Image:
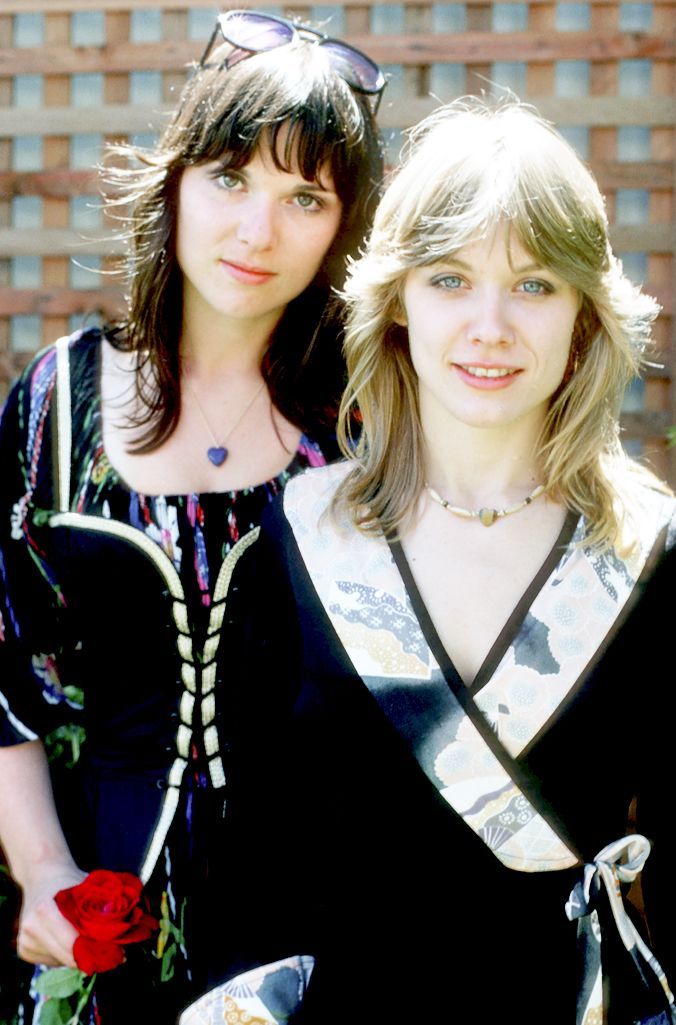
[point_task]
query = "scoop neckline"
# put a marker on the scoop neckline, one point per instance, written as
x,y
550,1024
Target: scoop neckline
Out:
x,y
97,406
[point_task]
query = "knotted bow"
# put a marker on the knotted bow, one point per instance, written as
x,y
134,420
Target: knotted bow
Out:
x,y
619,862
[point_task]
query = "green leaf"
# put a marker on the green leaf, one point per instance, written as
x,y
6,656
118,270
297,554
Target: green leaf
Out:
x,y
59,982
73,693
174,931
41,517
56,1012
57,743
167,967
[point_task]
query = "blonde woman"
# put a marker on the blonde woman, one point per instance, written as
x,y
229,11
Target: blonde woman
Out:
x,y
464,759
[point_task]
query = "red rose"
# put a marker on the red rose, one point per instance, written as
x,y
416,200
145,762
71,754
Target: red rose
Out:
x,y
107,912
96,955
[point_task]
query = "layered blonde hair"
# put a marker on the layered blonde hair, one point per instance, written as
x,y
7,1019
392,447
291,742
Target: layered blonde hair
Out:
x,y
466,168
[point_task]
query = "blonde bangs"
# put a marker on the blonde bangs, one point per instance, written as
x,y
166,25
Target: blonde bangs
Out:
x,y
467,168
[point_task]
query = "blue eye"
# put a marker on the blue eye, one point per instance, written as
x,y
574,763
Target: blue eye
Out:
x,y
535,287
449,282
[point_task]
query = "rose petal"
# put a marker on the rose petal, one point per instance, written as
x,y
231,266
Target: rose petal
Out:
x,y
107,907
94,956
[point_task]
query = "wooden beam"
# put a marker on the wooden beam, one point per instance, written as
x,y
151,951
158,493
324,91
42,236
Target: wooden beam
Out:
x,y
64,301
54,182
655,371
60,302
55,242
43,6
645,424
113,118
640,238
610,174
119,119
588,111
66,242
410,49
616,174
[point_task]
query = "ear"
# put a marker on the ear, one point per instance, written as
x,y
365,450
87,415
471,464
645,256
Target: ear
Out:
x,y
399,315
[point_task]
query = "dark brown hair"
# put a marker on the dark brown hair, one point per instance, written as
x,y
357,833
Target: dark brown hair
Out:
x,y
226,115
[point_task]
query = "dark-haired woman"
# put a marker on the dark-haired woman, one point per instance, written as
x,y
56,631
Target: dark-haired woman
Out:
x,y
138,461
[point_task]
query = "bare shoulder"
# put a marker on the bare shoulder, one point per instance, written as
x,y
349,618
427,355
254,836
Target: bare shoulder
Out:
x,y
118,374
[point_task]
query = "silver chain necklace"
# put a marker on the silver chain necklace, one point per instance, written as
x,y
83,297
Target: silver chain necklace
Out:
x,y
218,453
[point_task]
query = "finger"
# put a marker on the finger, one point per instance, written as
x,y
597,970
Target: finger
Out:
x,y
46,937
38,952
32,956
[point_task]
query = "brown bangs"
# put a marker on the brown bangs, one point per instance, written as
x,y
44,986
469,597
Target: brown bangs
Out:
x,y
309,120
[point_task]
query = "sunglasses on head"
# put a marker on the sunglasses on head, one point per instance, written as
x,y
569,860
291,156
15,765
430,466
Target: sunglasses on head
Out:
x,y
250,32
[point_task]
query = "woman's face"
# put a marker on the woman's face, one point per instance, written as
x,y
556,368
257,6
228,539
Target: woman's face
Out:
x,y
490,332
251,240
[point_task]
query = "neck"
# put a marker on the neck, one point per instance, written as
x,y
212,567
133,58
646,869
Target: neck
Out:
x,y
482,466
212,345
207,369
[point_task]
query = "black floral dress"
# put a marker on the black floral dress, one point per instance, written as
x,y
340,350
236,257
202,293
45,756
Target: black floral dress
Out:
x,y
123,647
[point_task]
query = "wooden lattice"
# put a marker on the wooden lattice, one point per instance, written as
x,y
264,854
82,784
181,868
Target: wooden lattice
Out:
x,y
75,74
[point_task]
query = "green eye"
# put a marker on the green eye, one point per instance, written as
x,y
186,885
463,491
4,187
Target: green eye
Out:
x,y
307,201
227,179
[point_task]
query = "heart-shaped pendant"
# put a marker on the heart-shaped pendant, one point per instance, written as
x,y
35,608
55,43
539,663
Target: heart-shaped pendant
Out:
x,y
217,454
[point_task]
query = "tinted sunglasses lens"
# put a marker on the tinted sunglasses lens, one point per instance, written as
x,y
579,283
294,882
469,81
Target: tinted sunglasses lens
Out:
x,y
254,32
355,67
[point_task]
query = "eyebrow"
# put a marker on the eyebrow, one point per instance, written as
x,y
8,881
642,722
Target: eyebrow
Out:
x,y
306,186
303,184
527,268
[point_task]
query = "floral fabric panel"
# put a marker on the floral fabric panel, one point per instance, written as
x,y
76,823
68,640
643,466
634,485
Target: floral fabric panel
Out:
x,y
464,746
268,995
563,630
40,390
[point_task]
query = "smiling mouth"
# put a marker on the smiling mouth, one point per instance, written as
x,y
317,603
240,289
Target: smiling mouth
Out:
x,y
488,371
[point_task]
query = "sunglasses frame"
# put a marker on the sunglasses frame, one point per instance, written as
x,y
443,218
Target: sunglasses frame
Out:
x,y
298,31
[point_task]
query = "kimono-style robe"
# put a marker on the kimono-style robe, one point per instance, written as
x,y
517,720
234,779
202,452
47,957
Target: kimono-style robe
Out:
x,y
428,840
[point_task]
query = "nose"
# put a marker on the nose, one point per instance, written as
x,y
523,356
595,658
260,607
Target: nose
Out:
x,y
490,323
257,223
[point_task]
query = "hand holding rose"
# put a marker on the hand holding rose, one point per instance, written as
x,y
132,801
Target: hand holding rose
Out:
x,y
45,936
106,911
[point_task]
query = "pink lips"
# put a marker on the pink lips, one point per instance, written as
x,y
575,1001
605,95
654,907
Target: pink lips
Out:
x,y
486,376
247,275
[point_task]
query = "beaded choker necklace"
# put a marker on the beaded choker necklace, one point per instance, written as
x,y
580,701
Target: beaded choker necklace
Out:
x,y
486,516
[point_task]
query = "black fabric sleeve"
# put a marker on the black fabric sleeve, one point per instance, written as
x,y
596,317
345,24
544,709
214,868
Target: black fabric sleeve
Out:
x,y
632,736
32,698
647,644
